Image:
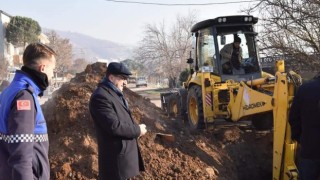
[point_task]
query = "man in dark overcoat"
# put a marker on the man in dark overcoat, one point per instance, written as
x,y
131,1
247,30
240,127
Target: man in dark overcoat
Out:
x,y
117,132
304,119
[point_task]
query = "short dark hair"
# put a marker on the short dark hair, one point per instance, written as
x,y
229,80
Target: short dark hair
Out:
x,y
34,51
237,39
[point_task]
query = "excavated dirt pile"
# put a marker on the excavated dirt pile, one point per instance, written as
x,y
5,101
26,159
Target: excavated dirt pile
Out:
x,y
225,153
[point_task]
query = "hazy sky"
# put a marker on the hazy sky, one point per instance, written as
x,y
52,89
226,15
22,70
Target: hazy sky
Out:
x,y
118,22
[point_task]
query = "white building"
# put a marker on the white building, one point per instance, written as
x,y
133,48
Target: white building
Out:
x,y
6,49
43,38
107,61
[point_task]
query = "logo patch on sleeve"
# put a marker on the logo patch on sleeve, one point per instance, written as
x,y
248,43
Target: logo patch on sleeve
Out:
x,y
23,105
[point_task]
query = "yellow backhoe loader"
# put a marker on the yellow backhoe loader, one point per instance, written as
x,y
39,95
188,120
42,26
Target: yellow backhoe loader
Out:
x,y
238,91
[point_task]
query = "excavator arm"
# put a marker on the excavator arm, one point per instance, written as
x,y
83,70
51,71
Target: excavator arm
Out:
x,y
284,148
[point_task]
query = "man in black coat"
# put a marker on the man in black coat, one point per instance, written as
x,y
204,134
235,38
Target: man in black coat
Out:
x,y
304,119
117,132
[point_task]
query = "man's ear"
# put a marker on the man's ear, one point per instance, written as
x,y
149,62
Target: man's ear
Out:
x,y
111,78
41,67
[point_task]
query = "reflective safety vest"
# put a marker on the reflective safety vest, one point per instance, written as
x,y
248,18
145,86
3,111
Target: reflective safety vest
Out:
x,y
21,82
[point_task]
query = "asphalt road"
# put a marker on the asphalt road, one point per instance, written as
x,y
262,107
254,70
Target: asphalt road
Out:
x,y
151,91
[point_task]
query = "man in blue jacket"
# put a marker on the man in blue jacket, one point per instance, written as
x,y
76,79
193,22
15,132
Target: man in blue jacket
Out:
x,y
23,131
117,132
304,119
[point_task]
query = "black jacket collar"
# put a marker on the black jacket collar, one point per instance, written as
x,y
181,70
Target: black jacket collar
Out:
x,y
39,78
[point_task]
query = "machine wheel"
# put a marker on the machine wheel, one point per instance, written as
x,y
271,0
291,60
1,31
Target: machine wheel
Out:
x,y
184,95
174,107
263,121
195,108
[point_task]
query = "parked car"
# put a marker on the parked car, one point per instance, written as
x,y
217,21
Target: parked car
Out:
x,y
141,81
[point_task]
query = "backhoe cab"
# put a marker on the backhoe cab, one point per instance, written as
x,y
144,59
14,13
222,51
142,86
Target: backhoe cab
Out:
x,y
210,37
240,91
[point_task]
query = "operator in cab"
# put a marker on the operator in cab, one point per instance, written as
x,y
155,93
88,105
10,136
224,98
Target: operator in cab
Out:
x,y
231,56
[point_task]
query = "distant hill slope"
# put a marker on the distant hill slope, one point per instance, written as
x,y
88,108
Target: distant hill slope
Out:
x,y
91,48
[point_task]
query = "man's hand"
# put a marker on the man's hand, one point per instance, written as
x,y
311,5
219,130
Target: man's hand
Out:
x,y
143,129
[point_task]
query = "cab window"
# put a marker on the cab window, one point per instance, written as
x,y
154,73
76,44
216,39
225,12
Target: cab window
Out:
x,y
206,49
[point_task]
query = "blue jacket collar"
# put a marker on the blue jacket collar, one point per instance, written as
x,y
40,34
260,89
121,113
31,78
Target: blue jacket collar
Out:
x,y
24,78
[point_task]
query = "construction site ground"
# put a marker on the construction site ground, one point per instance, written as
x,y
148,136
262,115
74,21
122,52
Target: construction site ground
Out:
x,y
223,151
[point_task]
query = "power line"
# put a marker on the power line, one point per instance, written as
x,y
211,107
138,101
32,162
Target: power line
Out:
x,y
182,4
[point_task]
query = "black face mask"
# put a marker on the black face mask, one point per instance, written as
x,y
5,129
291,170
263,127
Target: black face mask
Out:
x,y
41,79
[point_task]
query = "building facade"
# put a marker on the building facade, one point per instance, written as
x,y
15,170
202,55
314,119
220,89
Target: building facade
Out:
x,y
6,49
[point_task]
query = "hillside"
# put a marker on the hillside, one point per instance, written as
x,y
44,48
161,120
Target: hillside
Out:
x,y
91,47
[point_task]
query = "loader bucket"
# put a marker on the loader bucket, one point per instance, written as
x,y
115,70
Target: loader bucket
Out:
x,y
165,137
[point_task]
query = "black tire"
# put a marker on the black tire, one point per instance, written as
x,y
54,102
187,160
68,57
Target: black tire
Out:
x,y
263,121
183,97
195,108
174,105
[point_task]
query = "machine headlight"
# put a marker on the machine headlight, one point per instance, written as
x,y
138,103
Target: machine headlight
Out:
x,y
224,19
220,20
246,19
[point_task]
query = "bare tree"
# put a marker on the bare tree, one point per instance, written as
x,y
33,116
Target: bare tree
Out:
x,y
3,67
290,27
79,65
164,51
63,48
